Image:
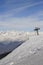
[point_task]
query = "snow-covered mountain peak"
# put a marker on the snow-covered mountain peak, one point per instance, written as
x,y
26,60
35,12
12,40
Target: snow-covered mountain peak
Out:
x,y
11,39
28,53
12,35
33,46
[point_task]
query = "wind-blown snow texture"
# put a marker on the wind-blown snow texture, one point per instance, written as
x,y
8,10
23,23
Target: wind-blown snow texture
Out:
x,y
29,53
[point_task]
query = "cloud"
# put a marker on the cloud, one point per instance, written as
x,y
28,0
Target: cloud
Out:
x,y
16,10
21,23
7,20
12,8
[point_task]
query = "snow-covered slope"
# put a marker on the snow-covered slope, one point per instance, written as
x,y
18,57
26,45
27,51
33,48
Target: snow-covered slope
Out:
x,y
11,39
29,53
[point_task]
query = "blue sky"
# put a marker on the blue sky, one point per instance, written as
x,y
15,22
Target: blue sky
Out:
x,y
21,15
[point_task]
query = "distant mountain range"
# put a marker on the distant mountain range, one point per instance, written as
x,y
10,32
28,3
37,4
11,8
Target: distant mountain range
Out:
x,y
11,39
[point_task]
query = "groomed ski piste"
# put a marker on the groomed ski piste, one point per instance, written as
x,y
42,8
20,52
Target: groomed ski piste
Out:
x,y
28,53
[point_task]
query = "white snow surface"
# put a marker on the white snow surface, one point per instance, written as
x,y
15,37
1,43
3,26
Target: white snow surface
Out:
x,y
29,53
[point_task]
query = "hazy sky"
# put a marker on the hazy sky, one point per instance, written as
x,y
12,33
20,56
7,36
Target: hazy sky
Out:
x,y
22,15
